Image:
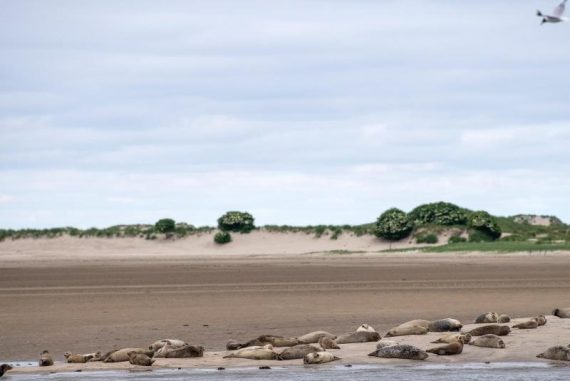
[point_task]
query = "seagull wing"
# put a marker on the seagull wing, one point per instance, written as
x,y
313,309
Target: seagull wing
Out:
x,y
559,10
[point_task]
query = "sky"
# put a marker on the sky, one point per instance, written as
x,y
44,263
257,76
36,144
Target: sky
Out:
x,y
299,112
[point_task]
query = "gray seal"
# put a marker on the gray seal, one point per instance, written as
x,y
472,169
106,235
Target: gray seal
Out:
x,y
445,325
493,329
558,352
297,352
400,351
4,368
563,313
488,341
489,317
140,359
447,350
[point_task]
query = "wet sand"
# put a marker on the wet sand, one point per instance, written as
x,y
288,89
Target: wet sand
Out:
x,y
67,305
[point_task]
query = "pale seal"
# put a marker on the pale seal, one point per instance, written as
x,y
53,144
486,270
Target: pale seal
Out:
x,y
449,349
493,329
529,324
161,343
327,343
297,352
314,337
77,359
488,341
489,317
556,353
464,337
254,353
358,337
122,355
45,359
400,351
412,327
319,358
365,328
140,359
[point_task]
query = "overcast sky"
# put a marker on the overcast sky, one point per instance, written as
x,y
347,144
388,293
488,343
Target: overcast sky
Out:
x,y
300,112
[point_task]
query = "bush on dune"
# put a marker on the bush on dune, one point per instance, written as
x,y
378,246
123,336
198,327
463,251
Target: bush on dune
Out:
x,y
239,222
438,213
393,225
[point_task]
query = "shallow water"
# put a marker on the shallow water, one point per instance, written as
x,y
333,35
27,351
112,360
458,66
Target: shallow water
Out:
x,y
435,372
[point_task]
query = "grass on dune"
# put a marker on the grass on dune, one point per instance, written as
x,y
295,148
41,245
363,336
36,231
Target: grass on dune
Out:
x,y
495,246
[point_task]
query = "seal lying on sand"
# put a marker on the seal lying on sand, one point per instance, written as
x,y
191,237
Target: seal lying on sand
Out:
x,y
488,341
365,328
445,325
161,343
385,343
358,337
541,320
297,352
401,351
529,324
123,354
556,353
464,337
187,351
489,317
4,368
314,337
275,341
412,327
140,359
493,329
504,318
449,349
563,313
327,343
319,358
254,353
77,359
45,359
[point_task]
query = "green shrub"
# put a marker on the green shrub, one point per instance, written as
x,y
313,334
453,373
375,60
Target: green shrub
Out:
x,y
427,238
485,223
393,225
337,232
240,222
456,239
320,230
222,237
480,236
165,225
438,213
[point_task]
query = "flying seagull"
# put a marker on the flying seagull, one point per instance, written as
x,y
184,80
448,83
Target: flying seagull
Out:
x,y
556,15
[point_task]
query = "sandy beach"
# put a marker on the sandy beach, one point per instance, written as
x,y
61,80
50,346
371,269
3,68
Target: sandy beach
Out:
x,y
99,294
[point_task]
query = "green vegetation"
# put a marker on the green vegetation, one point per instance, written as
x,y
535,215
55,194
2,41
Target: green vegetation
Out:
x,y
239,222
424,224
393,225
438,213
427,238
456,239
485,225
222,237
165,226
499,246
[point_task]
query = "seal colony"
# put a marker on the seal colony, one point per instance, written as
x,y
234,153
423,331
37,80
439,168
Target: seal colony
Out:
x,y
444,337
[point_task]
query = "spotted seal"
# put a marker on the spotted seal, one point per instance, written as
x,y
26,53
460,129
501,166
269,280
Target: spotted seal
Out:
x,y
400,351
